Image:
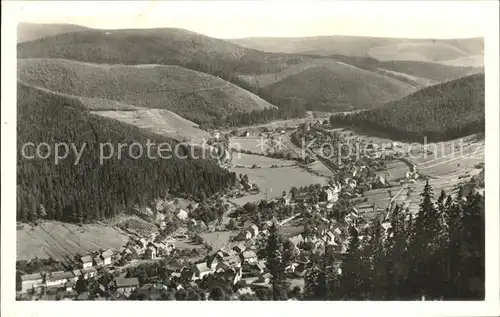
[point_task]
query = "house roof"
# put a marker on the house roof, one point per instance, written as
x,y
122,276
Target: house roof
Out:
x,y
31,277
86,259
90,269
249,254
240,246
202,267
60,275
107,254
126,282
77,273
254,227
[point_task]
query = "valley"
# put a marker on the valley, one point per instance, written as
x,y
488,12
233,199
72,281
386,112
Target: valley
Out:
x,y
312,143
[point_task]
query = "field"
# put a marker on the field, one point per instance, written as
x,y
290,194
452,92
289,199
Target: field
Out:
x,y
248,160
446,168
275,181
160,121
219,239
62,241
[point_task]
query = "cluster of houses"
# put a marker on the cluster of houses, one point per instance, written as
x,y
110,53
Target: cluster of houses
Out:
x,y
148,248
88,269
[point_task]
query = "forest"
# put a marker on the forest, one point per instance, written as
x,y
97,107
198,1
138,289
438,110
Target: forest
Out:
x,y
90,190
442,112
437,255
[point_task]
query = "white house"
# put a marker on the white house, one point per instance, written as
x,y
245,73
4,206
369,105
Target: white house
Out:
x,y
245,235
106,256
254,230
31,281
89,272
58,278
86,262
202,270
126,286
249,257
150,253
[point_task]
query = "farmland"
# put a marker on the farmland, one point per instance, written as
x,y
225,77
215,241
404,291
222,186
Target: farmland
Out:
x,y
61,241
248,160
275,180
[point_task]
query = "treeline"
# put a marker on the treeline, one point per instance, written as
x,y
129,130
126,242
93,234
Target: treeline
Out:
x,y
441,112
438,255
79,191
257,117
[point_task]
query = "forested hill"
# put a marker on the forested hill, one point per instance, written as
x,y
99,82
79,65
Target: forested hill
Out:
x,y
441,112
88,190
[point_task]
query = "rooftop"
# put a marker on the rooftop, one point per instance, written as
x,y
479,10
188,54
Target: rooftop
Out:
x,y
31,277
86,259
59,275
106,254
126,282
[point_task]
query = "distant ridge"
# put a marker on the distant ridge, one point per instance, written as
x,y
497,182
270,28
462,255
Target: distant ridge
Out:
x,y
33,31
381,48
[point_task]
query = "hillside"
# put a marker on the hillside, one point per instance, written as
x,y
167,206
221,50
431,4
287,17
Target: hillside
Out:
x,y
335,86
194,95
34,31
74,190
441,112
155,46
417,74
380,48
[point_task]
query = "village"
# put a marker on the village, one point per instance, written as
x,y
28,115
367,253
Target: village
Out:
x,y
180,256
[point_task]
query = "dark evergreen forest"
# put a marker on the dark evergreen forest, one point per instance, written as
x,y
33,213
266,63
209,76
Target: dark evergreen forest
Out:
x,y
89,190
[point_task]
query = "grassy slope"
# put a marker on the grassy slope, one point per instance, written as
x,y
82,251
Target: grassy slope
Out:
x,y
336,85
34,31
444,111
197,96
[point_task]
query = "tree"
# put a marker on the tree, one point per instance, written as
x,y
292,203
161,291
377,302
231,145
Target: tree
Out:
x,y
351,282
275,265
217,293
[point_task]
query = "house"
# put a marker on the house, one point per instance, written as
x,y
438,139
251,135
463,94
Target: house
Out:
x,y
69,286
232,275
150,253
329,237
58,278
245,235
182,214
248,257
284,200
201,270
254,230
213,262
76,276
239,248
245,291
326,194
31,281
296,240
125,286
106,257
89,272
86,262
98,261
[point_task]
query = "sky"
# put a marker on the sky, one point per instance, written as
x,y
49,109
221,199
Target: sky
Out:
x,y
237,19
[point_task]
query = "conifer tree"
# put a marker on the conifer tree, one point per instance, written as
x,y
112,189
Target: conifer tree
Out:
x,y
275,263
